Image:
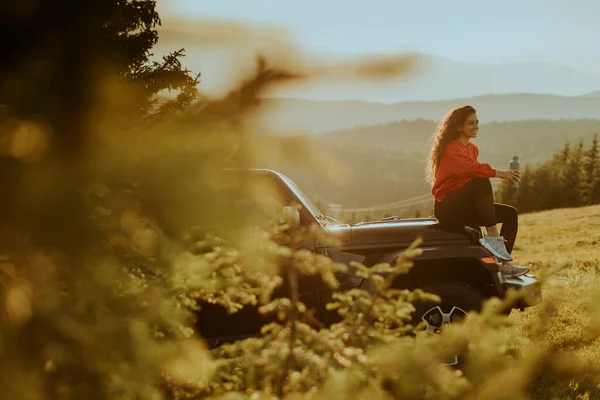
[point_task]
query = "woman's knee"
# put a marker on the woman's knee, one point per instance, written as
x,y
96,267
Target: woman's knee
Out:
x,y
483,195
506,213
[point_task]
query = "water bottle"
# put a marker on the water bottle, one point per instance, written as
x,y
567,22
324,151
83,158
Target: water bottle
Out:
x,y
516,166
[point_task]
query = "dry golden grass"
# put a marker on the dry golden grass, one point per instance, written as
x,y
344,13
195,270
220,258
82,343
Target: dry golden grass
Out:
x,y
563,247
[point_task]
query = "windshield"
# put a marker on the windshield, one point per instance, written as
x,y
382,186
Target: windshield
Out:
x,y
304,198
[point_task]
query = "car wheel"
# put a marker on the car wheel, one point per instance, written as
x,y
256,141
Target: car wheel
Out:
x,y
457,300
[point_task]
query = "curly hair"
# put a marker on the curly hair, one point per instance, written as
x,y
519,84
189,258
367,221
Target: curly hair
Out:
x,y
447,130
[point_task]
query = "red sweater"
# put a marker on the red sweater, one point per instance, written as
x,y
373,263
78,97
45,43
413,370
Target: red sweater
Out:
x,y
458,166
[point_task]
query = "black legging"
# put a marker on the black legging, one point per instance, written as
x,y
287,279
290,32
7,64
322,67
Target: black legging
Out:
x,y
473,205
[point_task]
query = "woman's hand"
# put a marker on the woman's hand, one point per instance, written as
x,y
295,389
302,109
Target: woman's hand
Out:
x,y
510,175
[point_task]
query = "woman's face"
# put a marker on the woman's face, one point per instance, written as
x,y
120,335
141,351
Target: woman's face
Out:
x,y
470,127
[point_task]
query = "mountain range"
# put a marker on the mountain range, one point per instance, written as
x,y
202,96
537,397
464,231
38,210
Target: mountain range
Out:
x,y
295,115
500,92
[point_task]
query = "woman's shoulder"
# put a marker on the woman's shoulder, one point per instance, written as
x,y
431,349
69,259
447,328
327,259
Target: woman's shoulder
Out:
x,y
455,145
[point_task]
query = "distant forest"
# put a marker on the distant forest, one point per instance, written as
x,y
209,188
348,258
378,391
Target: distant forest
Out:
x,y
571,178
385,163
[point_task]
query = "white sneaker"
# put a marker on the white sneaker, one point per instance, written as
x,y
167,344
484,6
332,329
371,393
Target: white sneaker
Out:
x,y
512,271
495,245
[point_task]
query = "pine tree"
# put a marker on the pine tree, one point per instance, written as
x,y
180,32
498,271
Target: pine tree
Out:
x,y
546,184
61,64
548,180
563,156
524,199
572,178
591,180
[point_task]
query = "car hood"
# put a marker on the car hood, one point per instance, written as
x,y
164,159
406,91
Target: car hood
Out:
x,y
394,232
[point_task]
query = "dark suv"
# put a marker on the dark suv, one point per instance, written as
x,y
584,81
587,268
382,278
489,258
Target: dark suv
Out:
x,y
454,266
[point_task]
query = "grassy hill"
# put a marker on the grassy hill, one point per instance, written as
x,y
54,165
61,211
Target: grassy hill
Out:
x,y
563,247
386,163
533,140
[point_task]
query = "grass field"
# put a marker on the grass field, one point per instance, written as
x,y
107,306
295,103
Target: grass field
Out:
x,y
563,247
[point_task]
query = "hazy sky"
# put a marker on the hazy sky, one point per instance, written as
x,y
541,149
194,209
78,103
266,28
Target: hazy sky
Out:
x,y
564,32
560,32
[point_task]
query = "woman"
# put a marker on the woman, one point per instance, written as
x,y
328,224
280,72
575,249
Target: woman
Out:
x,y
462,189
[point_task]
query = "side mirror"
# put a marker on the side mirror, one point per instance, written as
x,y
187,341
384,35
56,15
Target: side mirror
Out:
x,y
291,215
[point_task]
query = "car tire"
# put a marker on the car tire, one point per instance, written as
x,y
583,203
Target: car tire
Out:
x,y
457,300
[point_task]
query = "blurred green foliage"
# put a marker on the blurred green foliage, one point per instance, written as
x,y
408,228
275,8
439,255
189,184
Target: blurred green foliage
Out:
x,y
116,226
